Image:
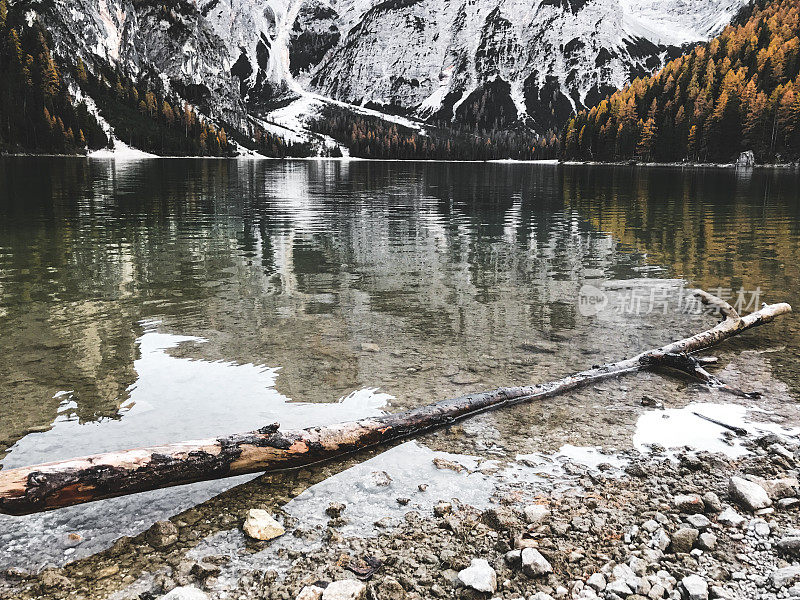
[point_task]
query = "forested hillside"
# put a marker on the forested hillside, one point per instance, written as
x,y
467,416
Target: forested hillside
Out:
x,y
373,137
145,118
741,91
36,112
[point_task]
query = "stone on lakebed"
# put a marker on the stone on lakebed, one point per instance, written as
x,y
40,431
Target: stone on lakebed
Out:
x,y
260,525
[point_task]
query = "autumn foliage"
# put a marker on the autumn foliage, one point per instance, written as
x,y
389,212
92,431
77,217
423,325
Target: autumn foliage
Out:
x,y
37,113
741,91
42,108
145,117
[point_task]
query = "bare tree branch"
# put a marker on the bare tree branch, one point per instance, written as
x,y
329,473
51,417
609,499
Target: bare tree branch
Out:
x,y
65,483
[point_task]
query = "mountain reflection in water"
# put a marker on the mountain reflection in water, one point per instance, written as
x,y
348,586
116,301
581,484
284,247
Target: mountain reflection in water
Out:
x,y
187,298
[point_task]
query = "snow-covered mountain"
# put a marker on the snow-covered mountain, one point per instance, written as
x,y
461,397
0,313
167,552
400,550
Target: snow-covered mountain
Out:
x,y
527,57
171,42
475,62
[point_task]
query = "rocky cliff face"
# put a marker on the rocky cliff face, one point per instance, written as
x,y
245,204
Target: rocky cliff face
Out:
x,y
169,42
498,60
486,63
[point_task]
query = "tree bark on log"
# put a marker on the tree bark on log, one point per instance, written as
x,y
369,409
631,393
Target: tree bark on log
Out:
x,y
54,485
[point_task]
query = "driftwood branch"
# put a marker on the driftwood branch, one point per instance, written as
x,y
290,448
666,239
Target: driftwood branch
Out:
x,y
693,367
735,428
65,483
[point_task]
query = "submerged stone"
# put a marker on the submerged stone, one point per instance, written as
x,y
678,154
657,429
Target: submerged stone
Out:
x,y
260,525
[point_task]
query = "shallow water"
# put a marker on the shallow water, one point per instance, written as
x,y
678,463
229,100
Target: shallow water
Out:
x,y
156,301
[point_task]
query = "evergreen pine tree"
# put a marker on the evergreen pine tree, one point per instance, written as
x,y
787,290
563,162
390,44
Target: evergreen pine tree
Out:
x,y
647,139
737,92
80,71
50,82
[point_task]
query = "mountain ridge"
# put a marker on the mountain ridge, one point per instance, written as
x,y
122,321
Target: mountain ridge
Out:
x,y
486,66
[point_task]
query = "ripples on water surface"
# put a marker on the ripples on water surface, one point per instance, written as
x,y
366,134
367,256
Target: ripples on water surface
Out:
x,y
156,301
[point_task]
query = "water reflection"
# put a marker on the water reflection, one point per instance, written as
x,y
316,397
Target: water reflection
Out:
x,y
312,281
173,398
176,398
297,264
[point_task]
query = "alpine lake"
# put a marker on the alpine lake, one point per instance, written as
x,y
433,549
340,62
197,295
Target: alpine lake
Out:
x,y
155,301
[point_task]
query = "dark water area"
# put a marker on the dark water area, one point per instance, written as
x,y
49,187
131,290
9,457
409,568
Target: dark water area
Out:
x,y
160,300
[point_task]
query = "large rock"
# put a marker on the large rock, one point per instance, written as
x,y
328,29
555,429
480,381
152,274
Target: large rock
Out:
x,y
162,534
534,564
786,487
689,503
748,494
657,591
712,502
597,582
53,580
790,546
499,518
204,570
746,160
698,521
730,517
345,589
442,508
186,593
782,451
694,587
514,558
390,589
479,576
684,539
638,566
260,525
786,576
536,514
620,588
661,540
623,572
310,592
707,541
720,593
760,527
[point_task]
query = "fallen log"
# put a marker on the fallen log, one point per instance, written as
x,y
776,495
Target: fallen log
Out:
x,y
58,484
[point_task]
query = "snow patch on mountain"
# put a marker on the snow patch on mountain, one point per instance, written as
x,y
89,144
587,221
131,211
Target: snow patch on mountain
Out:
x,y
430,57
117,149
487,63
678,22
121,151
255,34
292,121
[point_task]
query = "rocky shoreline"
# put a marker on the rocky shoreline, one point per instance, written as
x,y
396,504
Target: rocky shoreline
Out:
x,y
691,526
691,165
